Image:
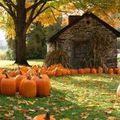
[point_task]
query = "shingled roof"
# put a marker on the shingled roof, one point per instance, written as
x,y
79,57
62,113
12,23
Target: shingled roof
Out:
x,y
87,14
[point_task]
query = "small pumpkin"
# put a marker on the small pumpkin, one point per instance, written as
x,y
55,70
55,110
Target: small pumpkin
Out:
x,y
23,69
74,72
93,71
117,70
118,90
100,70
87,70
110,71
8,86
44,117
81,71
28,88
11,73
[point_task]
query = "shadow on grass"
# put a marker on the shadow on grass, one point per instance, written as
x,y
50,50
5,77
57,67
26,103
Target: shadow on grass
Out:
x,y
59,105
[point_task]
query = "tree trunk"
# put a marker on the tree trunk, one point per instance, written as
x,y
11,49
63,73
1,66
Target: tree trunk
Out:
x,y
20,42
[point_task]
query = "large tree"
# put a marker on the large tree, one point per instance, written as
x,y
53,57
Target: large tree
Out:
x,y
23,14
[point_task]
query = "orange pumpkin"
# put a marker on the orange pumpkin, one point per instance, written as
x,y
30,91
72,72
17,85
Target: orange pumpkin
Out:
x,y
74,72
87,70
43,85
11,73
43,70
117,70
8,86
44,117
18,79
110,71
93,71
118,91
100,70
23,69
81,71
58,72
28,88
50,73
35,68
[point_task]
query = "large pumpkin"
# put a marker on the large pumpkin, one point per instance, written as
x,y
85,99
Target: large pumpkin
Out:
x,y
118,91
44,117
43,85
19,78
8,86
28,88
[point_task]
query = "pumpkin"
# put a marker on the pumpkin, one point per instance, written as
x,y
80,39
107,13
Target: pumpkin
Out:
x,y
44,117
23,69
43,85
8,86
87,70
18,79
43,70
81,71
118,91
100,70
117,70
35,68
74,72
58,72
28,88
110,71
11,73
93,71
50,73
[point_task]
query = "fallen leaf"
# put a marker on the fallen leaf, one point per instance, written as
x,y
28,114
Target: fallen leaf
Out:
x,y
111,118
84,115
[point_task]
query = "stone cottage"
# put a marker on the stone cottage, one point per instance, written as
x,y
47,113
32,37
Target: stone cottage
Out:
x,y
88,40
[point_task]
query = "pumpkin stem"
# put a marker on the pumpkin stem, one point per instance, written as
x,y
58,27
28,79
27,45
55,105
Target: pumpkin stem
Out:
x,y
47,116
6,75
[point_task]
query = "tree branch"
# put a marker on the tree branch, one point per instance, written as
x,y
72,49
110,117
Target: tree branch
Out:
x,y
35,5
13,5
9,11
31,18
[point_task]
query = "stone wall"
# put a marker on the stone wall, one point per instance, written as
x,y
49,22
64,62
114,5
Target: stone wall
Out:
x,y
84,40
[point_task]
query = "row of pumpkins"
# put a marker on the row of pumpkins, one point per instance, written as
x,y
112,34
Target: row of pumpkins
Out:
x,y
34,81
59,70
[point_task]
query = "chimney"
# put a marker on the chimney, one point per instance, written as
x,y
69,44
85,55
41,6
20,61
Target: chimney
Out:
x,y
73,18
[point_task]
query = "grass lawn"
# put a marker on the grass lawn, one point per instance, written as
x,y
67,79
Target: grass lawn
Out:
x,y
9,64
83,97
90,97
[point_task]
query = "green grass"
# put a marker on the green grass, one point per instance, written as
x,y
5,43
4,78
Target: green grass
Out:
x,y
72,98
83,97
9,64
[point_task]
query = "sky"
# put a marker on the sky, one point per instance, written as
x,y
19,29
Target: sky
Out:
x,y
3,42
